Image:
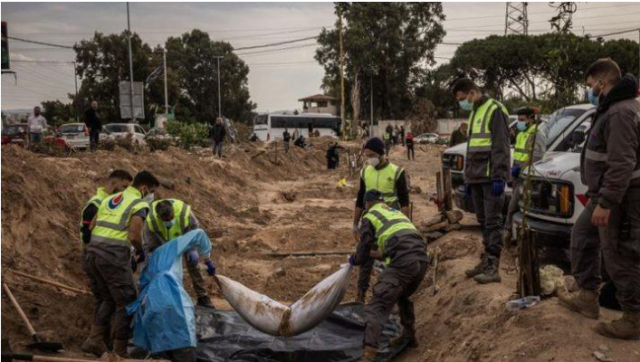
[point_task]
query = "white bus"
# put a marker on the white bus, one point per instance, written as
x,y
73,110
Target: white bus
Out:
x,y
269,127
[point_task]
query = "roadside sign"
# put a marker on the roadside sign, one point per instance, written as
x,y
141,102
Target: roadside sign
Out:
x,y
5,48
125,100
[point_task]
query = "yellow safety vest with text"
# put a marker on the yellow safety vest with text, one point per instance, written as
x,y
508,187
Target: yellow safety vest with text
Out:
x,y
383,180
480,126
181,212
521,153
95,200
386,136
387,222
114,217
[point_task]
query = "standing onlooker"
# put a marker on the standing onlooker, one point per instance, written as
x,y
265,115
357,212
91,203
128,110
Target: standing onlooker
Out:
x,y
93,123
609,226
396,134
459,135
286,137
402,139
217,134
37,124
411,153
296,134
387,137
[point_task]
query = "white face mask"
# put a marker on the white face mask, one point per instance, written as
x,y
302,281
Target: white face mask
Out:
x,y
149,198
373,161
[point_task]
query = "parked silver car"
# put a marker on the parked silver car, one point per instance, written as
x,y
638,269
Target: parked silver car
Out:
x,y
75,134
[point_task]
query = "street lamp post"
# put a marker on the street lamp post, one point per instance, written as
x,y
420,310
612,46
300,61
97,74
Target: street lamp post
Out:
x,y
219,94
166,92
133,118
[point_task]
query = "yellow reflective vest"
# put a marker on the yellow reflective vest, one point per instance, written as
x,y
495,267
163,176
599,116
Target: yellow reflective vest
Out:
x,y
181,212
383,180
95,200
524,142
387,222
480,126
114,217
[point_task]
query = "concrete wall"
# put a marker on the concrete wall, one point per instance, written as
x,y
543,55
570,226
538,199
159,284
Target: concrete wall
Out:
x,y
447,125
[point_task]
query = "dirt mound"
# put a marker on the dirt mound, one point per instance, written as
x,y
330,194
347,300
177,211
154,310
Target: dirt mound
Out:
x,y
469,322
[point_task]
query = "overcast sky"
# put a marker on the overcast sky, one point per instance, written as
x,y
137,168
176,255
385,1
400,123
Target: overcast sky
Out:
x,y
277,78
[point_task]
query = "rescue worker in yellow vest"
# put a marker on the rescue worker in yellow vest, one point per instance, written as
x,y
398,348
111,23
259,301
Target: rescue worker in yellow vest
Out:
x,y
486,171
390,180
115,231
117,182
386,137
403,250
167,220
529,138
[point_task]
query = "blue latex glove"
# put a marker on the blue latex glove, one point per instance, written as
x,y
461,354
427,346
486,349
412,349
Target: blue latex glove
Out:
x,y
352,260
497,187
211,268
467,192
192,257
515,172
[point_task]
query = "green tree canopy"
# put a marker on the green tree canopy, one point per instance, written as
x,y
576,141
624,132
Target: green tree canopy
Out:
x,y
387,44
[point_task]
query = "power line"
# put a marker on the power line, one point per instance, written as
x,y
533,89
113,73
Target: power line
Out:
x,y
280,49
277,44
616,33
41,43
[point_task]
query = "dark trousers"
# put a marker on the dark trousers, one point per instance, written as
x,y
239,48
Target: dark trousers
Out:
x,y
197,281
217,148
395,285
621,257
180,355
114,289
286,146
364,274
411,153
489,213
513,205
94,139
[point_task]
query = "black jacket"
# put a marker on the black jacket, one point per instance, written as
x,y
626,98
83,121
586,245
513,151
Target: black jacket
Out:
x,y
218,132
92,120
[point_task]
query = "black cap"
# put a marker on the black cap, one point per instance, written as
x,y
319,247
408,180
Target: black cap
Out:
x,y
525,112
373,196
376,145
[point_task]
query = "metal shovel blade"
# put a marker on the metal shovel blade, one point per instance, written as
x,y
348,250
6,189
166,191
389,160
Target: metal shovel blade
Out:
x,y
46,346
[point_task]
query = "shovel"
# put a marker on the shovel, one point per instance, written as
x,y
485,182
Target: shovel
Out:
x,y
38,343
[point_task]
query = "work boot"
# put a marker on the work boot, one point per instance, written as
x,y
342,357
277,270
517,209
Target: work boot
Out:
x,y
583,301
204,301
409,339
627,327
476,270
491,272
120,347
369,354
95,342
362,294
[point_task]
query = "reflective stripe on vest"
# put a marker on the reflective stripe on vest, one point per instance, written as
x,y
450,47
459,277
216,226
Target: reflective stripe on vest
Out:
x,y
383,180
387,222
156,225
480,123
635,174
595,156
114,216
520,153
95,200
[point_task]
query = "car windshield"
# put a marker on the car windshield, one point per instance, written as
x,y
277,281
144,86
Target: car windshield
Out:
x,y
559,121
12,130
117,128
72,128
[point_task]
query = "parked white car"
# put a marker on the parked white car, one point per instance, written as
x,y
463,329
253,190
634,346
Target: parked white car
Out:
x,y
115,130
75,134
427,138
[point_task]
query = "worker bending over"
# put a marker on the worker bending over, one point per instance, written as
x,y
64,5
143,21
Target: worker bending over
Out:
x,y
486,171
390,180
530,138
167,220
117,182
403,251
116,229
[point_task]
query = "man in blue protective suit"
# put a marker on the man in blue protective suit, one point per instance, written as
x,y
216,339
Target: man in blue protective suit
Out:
x,y
164,318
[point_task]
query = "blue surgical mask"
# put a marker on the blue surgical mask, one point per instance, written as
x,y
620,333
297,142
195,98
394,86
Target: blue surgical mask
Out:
x,y
466,105
522,126
593,99
168,224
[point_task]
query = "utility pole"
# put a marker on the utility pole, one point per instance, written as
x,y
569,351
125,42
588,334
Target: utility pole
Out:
x,y
75,99
133,118
166,92
342,106
218,57
516,20
371,101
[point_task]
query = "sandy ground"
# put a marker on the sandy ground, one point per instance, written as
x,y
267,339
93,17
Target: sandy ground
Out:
x,y
252,207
